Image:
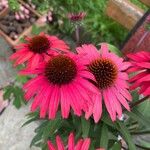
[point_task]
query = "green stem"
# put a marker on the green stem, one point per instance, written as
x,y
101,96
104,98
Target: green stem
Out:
x,y
77,35
139,102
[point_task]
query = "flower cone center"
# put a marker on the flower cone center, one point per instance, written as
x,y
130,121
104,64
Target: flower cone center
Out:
x,y
60,70
39,44
105,72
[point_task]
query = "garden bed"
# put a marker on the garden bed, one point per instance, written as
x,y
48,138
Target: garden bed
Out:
x,y
13,29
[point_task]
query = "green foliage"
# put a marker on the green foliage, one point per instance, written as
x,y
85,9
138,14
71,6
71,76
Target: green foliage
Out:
x,y
116,146
104,134
96,22
14,93
36,30
14,5
115,50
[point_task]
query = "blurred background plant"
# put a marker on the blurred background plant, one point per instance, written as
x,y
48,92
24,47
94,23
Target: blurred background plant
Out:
x,y
97,26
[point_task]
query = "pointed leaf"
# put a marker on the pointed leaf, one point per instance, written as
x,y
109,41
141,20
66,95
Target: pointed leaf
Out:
x,y
85,127
104,136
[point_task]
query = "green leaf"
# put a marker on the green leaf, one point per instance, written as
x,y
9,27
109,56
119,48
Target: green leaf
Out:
x,y
104,136
22,79
116,146
14,5
144,108
18,97
126,135
36,30
106,119
138,116
16,94
135,96
85,127
36,139
32,117
7,92
115,50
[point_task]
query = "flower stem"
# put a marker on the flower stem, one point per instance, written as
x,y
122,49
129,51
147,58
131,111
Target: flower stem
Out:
x,y
139,102
77,34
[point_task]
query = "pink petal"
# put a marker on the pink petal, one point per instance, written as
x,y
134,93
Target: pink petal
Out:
x,y
54,102
60,145
143,79
123,76
74,101
144,65
87,75
50,146
83,92
133,69
35,61
38,99
24,58
125,66
147,92
104,49
71,142
97,109
18,54
117,105
122,83
82,103
33,82
108,105
79,144
121,99
31,71
136,77
87,85
31,92
86,144
138,56
45,101
65,103
124,92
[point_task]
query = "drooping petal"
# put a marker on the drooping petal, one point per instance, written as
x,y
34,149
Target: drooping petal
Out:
x,y
65,102
60,145
54,102
86,144
71,144
108,105
97,110
50,146
79,145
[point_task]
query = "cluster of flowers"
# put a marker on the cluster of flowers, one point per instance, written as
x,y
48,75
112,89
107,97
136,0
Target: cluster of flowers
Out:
x,y
83,82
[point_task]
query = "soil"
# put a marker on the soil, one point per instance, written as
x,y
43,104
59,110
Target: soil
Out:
x,y
12,27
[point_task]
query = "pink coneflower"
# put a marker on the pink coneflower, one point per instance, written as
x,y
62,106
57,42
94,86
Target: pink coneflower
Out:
x,y
76,16
141,64
62,80
82,144
37,49
109,71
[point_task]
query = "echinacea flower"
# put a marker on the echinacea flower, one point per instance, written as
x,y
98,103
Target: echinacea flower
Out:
x,y
111,77
141,65
62,80
82,144
36,49
75,17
